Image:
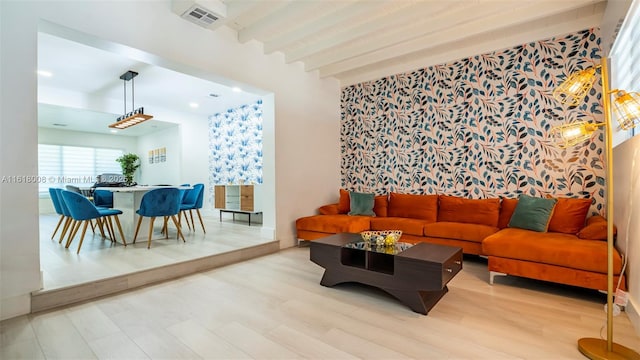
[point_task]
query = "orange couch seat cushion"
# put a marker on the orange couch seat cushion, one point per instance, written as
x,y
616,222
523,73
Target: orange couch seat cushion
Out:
x,y
460,231
408,226
471,211
334,223
550,248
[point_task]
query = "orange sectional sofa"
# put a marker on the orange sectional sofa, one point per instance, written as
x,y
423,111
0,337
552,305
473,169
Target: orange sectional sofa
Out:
x,y
572,251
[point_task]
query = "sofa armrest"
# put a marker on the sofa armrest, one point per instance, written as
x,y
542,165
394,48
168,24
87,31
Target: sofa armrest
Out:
x,y
331,209
596,229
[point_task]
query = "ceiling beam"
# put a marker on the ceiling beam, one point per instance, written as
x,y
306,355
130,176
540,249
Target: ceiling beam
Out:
x,y
392,20
487,24
326,16
279,22
541,29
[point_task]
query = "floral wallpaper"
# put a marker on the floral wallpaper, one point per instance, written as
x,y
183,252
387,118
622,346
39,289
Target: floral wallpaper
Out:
x,y
477,127
235,146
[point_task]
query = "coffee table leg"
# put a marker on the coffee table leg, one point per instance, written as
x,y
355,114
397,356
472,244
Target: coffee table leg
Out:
x,y
419,301
331,278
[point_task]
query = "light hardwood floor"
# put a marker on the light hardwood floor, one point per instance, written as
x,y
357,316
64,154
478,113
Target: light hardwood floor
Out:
x,y
273,307
99,258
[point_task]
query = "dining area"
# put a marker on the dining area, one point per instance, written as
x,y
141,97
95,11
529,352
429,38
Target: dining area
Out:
x,y
117,213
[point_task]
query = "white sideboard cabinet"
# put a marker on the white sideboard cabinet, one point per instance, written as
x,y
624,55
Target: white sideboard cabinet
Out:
x,y
238,199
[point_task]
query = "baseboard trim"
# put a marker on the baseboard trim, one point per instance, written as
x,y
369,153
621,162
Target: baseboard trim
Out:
x,y
49,299
633,313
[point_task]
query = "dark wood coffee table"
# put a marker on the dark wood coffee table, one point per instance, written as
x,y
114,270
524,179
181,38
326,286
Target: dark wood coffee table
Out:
x,y
416,275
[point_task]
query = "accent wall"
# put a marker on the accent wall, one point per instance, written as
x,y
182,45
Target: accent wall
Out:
x,y
477,127
235,146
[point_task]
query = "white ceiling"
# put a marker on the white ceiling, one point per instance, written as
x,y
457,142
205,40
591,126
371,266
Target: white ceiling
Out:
x,y
357,41
351,40
93,75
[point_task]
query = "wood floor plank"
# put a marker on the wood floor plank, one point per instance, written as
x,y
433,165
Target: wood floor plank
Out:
x,y
274,307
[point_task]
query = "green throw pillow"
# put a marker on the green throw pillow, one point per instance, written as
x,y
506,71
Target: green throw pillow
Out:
x,y
532,213
361,203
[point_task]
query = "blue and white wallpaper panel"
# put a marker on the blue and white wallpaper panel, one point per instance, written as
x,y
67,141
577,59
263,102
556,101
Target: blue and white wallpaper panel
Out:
x,y
235,145
478,127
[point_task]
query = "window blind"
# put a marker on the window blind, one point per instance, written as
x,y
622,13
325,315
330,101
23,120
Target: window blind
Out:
x,y
625,55
59,165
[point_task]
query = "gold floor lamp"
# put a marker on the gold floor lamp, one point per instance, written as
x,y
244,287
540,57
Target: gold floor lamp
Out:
x,y
627,108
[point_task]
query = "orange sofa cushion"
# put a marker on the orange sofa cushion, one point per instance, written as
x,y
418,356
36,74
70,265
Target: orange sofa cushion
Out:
x,y
334,223
412,206
596,229
331,209
460,231
344,203
472,211
569,215
380,205
408,226
507,207
550,248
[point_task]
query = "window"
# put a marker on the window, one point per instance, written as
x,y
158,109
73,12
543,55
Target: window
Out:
x,y
59,165
625,55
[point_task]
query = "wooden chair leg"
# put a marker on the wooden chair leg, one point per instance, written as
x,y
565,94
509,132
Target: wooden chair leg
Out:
x,y
112,232
68,221
57,226
201,223
175,221
165,229
101,226
84,230
150,231
124,241
193,226
135,235
75,225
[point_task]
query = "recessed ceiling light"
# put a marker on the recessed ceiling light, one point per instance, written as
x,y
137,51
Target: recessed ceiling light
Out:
x,y
45,73
236,89
113,131
194,105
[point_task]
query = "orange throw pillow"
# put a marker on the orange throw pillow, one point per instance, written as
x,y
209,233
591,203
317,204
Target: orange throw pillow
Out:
x,y
470,211
507,207
596,229
569,215
381,205
344,204
413,206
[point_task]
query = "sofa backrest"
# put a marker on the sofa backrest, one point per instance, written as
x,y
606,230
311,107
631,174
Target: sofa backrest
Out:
x,y
413,206
470,211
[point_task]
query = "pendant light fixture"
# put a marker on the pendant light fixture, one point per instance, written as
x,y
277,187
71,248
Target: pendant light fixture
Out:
x,y
136,116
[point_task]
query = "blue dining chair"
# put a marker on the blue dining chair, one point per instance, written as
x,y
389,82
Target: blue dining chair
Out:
x,y
163,202
193,200
103,198
56,205
82,211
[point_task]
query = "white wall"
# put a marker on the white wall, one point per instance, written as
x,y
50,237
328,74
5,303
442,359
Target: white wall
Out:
x,y
168,172
626,186
301,145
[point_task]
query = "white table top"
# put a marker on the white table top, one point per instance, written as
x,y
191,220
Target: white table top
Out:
x,y
140,188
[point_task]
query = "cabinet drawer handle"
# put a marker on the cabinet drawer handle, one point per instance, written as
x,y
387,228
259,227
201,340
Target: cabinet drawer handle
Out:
x,y
458,262
449,270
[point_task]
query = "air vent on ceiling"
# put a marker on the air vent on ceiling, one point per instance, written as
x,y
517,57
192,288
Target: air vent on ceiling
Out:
x,y
200,16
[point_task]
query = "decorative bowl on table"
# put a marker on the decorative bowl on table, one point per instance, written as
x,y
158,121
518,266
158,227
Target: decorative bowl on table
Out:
x,y
382,237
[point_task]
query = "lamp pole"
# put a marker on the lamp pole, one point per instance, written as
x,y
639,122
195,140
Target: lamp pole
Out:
x,y
591,347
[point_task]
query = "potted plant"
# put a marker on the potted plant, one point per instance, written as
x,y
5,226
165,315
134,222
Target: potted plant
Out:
x,y
129,163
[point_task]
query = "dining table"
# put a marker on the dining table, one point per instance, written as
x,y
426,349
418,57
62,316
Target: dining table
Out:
x,y
127,199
